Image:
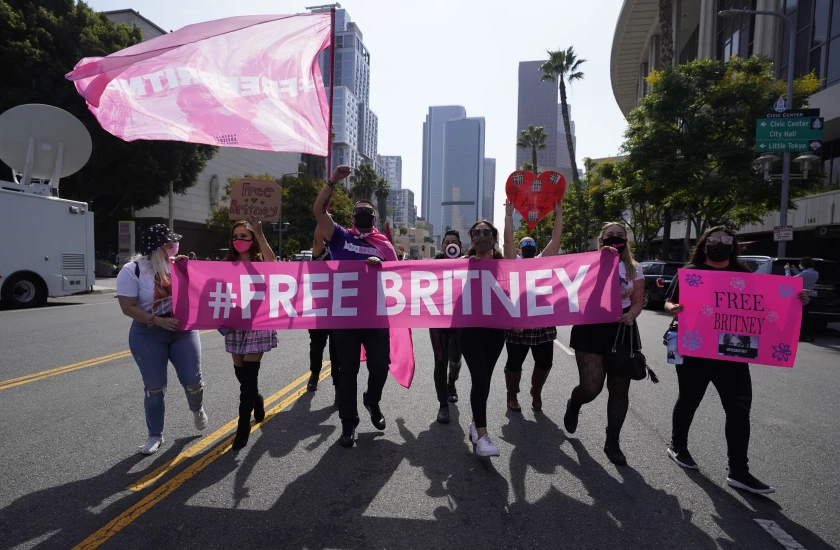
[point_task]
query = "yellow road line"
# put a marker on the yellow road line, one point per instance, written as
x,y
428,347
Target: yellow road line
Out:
x,y
68,368
206,441
123,520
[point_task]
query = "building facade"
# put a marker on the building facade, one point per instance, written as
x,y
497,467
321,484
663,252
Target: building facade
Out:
x,y
432,172
392,170
563,158
489,192
463,174
402,202
537,107
700,33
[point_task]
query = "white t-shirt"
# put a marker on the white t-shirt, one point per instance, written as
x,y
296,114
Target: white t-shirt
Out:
x,y
626,284
151,295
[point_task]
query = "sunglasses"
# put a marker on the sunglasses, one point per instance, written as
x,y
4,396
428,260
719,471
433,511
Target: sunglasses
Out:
x,y
364,210
529,243
481,232
722,240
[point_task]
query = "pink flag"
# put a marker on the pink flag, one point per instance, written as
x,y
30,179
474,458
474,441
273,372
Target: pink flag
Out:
x,y
251,82
402,356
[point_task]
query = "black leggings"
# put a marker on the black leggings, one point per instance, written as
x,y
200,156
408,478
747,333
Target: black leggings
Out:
x,y
592,375
481,348
517,353
446,345
317,343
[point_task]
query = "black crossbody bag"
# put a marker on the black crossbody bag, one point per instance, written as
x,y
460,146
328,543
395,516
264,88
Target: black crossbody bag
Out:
x,y
628,362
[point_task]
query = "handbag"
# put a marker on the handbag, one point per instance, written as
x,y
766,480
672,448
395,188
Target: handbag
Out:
x,y
630,362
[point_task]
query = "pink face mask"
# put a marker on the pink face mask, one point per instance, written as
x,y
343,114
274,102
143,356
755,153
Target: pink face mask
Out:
x,y
242,246
173,250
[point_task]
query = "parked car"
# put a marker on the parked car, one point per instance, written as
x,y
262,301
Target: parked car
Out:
x,y
658,277
825,306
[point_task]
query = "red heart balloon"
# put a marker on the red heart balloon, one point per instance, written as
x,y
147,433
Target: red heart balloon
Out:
x,y
535,196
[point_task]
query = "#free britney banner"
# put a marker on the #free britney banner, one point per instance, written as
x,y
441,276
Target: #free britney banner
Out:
x,y
742,317
572,289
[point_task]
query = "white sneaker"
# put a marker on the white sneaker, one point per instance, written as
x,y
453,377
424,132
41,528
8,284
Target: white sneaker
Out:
x,y
485,447
200,418
473,434
151,446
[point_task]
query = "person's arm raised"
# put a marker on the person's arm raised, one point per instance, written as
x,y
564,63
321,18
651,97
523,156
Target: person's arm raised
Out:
x,y
510,248
256,227
325,222
553,246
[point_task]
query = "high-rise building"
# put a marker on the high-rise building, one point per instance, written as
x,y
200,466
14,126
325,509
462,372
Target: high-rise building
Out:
x,y
463,174
563,158
392,169
432,187
489,192
537,107
355,126
402,201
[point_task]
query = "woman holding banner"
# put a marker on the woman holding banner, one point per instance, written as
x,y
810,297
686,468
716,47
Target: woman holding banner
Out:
x,y
540,341
717,249
247,244
592,343
144,291
482,346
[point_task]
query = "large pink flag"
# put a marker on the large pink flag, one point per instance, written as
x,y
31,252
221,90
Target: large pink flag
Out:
x,y
251,81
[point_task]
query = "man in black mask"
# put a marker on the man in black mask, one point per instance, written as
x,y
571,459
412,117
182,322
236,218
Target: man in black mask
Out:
x,y
527,248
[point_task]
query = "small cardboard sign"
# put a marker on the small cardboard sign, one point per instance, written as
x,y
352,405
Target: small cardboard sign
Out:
x,y
255,197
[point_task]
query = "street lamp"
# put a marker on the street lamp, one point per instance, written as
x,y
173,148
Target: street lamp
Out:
x,y
280,223
790,21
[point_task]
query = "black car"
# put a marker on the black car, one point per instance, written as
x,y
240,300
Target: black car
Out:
x,y
658,277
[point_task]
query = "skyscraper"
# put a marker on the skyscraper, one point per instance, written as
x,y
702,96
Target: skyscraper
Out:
x,y
392,168
563,158
488,196
463,174
537,107
432,187
402,201
355,126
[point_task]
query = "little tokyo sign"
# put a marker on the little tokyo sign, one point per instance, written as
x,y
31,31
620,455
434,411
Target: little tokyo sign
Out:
x,y
255,197
741,317
556,291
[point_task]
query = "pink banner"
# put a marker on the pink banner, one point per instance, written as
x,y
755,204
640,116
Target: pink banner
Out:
x,y
741,317
251,82
556,291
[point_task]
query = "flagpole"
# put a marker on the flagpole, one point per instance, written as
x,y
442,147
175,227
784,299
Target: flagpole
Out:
x,y
332,87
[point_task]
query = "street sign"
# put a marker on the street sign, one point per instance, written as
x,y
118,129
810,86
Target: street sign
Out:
x,y
801,146
783,233
794,114
789,134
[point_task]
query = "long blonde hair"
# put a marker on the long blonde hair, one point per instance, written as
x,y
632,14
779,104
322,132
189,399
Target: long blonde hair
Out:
x,y
158,261
625,256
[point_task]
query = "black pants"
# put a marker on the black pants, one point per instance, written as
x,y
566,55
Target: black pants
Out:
x,y
733,383
446,345
317,343
806,330
481,348
517,353
348,345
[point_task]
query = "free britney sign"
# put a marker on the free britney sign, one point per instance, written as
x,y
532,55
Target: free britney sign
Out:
x,y
744,317
556,291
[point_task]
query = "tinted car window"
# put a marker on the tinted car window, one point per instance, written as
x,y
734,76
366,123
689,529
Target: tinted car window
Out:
x,y
828,271
652,269
671,270
751,264
779,267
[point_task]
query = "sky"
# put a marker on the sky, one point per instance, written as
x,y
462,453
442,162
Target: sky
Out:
x,y
454,52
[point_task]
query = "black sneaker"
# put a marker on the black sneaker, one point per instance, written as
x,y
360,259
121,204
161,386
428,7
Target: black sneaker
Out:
x,y
443,415
376,415
453,393
683,458
348,434
312,385
747,482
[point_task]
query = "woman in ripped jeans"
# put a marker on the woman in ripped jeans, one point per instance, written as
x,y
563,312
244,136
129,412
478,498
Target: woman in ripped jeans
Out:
x,y
144,291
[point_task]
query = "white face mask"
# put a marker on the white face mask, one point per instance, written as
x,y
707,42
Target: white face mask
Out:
x,y
173,251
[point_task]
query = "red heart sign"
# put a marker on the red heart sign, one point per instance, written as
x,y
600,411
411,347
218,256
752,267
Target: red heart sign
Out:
x,y
534,196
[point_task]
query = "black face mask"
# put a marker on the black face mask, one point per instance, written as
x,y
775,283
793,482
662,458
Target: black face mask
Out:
x,y
616,242
363,220
719,252
529,251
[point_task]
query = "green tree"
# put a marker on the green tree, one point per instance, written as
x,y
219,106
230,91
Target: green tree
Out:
x,y
40,41
382,190
533,139
364,180
666,59
692,140
404,230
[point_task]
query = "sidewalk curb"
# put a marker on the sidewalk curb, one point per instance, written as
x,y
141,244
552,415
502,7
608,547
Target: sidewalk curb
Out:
x,y
103,291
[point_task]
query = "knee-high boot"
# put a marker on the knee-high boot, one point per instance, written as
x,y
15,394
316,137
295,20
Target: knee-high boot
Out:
x,y
247,376
537,382
512,378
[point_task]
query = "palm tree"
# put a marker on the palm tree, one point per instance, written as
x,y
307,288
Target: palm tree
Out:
x,y
532,138
382,190
528,166
563,67
364,182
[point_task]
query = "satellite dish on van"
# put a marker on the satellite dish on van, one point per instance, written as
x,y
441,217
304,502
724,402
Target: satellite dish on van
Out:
x,y
43,142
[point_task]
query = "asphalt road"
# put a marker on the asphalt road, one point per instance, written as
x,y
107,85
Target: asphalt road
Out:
x,y
71,473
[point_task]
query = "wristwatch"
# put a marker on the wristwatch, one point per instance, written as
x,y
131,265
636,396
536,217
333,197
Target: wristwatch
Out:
x,y
331,183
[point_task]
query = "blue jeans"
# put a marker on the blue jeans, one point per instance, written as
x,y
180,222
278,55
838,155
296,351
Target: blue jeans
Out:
x,y
153,349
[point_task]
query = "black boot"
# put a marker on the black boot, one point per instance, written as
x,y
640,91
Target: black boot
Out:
x,y
613,450
570,419
247,398
259,402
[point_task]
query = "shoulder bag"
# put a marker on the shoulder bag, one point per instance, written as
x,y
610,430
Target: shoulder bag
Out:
x,y
630,362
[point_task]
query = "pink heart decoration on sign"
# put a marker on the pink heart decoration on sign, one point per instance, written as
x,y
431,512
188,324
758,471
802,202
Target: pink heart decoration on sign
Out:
x,y
535,196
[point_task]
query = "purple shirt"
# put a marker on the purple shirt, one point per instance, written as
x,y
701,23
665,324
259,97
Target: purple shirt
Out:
x,y
345,246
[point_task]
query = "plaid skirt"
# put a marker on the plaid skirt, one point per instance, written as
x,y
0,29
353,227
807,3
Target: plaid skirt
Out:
x,y
531,336
244,342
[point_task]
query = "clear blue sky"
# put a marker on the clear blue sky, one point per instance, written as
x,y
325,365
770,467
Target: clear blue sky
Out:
x,y
454,52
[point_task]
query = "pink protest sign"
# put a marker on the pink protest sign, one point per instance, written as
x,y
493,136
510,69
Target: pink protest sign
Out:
x,y
560,290
742,317
249,81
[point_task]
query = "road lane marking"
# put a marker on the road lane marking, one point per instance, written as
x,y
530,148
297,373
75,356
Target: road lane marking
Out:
x,y
564,348
206,441
123,520
779,534
68,368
